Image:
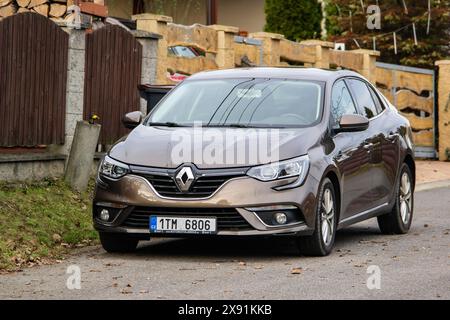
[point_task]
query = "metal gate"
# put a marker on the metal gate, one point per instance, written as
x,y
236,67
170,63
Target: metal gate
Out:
x,y
412,91
113,73
33,74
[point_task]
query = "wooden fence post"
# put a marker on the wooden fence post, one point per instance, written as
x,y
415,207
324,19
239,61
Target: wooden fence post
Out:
x,y
369,63
271,47
156,24
225,45
322,59
443,109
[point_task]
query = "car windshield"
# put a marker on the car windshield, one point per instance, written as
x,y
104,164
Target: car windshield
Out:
x,y
241,103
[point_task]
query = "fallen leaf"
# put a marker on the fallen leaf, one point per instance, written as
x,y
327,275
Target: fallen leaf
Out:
x,y
56,238
296,271
126,291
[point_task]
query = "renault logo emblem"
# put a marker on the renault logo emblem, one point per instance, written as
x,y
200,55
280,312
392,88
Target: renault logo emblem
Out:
x,y
184,179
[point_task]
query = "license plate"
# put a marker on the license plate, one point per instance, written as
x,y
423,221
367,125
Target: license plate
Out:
x,y
196,225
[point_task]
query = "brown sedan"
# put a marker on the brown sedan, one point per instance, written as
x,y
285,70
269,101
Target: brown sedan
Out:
x,y
259,151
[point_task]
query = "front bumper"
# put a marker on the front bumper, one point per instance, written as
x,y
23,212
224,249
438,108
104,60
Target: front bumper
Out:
x,y
134,192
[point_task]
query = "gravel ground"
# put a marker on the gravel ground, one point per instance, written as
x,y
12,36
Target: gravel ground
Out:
x,y
413,266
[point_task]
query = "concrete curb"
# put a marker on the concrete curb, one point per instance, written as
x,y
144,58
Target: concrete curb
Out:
x,y
433,185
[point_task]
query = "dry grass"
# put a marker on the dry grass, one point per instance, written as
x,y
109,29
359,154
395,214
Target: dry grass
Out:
x,y
41,221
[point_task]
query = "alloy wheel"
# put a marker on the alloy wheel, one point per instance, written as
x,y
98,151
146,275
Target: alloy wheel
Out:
x,y
405,197
327,217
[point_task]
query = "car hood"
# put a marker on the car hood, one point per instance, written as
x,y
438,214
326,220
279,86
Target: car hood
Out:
x,y
161,146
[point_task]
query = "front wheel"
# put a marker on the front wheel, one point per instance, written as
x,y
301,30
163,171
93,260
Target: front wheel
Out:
x,y
321,242
112,242
398,221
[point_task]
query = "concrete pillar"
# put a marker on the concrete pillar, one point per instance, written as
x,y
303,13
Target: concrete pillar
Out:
x,y
271,47
443,108
81,156
369,63
155,23
75,87
322,58
225,46
149,42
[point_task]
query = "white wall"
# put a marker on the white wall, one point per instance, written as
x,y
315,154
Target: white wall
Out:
x,y
248,15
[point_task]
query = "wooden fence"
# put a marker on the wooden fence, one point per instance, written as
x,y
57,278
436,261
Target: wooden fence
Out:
x,y
113,72
33,74
411,90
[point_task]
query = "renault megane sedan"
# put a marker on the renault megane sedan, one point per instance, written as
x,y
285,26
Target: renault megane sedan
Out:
x,y
343,154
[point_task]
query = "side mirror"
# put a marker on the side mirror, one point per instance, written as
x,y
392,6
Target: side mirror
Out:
x,y
353,123
132,119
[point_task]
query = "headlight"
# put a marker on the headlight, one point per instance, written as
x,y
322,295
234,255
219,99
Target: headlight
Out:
x,y
297,167
112,168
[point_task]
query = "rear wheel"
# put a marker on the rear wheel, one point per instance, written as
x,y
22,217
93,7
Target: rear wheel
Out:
x,y
321,242
117,242
398,221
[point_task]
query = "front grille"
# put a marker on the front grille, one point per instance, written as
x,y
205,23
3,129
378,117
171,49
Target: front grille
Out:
x,y
203,187
227,218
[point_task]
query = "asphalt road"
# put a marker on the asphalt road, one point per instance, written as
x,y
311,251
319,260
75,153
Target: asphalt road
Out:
x,y
413,266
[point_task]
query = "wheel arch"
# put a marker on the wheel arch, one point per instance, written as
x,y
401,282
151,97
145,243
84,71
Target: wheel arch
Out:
x,y
409,160
334,178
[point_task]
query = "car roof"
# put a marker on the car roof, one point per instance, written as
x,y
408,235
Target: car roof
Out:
x,y
275,72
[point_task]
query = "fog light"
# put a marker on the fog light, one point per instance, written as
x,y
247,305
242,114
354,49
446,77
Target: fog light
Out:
x,y
280,218
104,215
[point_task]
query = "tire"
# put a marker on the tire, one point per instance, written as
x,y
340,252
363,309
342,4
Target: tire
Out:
x,y
316,244
113,243
399,221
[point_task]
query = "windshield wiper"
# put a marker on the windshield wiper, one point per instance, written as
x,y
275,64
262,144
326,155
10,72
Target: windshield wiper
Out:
x,y
165,124
231,125
237,125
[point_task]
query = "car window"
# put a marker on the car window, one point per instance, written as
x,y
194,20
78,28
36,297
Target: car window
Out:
x,y
247,102
341,102
363,98
379,104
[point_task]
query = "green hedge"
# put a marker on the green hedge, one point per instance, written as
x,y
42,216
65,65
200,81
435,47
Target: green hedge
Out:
x,y
295,19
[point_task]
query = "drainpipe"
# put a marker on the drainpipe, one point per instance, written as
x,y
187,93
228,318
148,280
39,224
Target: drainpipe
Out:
x,y
211,13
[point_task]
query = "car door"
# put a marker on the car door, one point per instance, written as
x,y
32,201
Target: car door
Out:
x,y
350,155
390,150
374,140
